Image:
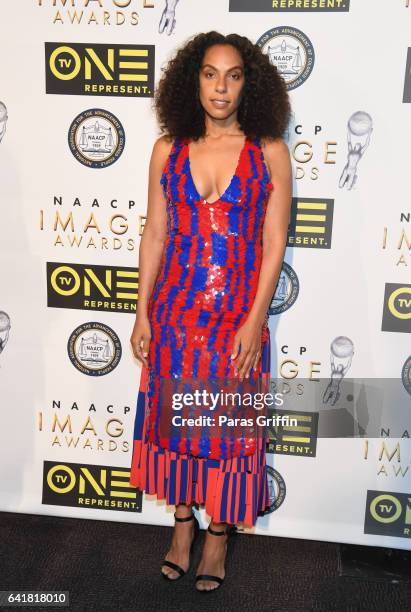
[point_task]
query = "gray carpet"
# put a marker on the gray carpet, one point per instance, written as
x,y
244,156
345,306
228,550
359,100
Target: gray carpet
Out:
x,y
115,566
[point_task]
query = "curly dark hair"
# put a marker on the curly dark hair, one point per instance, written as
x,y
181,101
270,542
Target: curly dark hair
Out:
x,y
264,111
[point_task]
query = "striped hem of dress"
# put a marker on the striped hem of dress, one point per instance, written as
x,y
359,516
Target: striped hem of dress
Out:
x,y
228,496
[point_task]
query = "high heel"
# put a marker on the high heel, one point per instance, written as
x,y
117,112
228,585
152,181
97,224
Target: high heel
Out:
x,y
173,565
229,531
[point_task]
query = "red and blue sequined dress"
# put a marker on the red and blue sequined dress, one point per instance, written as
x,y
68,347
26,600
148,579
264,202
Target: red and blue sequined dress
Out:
x,y
203,293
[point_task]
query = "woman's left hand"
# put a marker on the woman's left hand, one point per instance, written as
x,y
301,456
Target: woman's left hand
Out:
x,y
249,338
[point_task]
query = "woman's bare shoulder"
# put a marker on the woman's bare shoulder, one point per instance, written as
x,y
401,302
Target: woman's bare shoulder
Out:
x,y
274,147
161,150
276,154
162,147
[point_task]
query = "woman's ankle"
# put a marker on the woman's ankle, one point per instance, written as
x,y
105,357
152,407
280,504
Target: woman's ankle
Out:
x,y
219,527
183,510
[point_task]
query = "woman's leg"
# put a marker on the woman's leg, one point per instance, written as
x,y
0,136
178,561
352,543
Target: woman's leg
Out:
x,y
179,551
213,557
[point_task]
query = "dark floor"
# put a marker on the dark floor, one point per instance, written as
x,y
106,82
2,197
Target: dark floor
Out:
x,y
115,566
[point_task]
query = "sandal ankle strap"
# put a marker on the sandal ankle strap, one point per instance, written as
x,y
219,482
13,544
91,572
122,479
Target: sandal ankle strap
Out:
x,y
187,518
218,533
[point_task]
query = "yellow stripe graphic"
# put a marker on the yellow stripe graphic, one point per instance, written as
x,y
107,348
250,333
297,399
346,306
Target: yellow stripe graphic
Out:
x,y
142,65
120,483
132,77
134,52
127,285
126,274
127,296
122,494
310,229
300,217
312,205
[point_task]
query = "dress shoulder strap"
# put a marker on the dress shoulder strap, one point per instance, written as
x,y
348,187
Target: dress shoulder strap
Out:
x,y
178,144
171,161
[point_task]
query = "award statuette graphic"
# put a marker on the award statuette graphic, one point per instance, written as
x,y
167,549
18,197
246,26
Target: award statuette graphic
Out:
x,y
3,120
342,351
4,329
167,20
359,128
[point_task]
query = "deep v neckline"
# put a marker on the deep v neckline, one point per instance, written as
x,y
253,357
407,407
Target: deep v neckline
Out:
x,y
199,196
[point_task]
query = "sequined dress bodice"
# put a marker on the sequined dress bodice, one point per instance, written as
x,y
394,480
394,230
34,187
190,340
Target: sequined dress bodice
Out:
x,y
210,265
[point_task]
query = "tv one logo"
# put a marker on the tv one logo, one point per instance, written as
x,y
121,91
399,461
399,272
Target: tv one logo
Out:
x,y
99,70
85,287
100,487
388,514
397,308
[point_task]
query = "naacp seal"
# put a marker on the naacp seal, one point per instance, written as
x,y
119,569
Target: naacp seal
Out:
x,y
406,375
94,349
96,138
286,292
291,51
276,490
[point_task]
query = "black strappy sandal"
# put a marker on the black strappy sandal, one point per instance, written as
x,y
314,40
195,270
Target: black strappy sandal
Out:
x,y
229,531
173,565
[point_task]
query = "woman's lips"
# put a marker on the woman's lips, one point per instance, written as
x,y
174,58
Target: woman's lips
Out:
x,y
220,103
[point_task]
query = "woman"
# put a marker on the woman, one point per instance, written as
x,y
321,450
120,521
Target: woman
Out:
x,y
210,257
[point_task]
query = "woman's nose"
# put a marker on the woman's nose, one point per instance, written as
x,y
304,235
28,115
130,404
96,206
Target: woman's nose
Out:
x,y
221,84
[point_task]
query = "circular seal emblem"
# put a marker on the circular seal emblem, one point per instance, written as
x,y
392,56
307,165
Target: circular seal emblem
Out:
x,y
406,375
96,138
276,489
291,51
94,349
286,292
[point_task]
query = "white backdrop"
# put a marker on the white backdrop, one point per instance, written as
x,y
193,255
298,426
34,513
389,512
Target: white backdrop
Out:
x,y
339,64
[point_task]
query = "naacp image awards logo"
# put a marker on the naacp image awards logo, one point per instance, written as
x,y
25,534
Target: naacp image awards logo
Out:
x,y
94,349
291,51
96,138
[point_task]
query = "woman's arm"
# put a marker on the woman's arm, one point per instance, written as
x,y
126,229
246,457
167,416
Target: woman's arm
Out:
x,y
275,230
151,248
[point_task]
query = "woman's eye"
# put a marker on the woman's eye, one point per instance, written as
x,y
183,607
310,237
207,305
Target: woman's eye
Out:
x,y
235,76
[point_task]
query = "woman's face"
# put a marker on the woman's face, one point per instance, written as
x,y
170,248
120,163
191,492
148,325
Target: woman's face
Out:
x,y
221,81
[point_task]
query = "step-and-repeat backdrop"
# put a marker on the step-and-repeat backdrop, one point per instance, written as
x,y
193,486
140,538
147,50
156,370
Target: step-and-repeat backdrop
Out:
x,y
76,132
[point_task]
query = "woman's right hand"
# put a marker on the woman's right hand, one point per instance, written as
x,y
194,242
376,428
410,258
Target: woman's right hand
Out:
x,y
140,339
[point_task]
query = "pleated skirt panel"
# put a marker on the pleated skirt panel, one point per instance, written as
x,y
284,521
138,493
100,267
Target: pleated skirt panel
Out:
x,y
231,490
